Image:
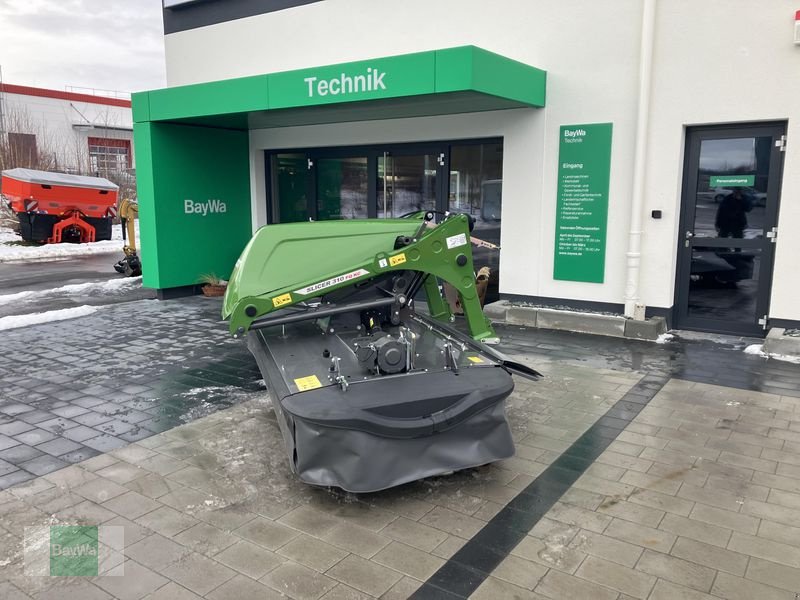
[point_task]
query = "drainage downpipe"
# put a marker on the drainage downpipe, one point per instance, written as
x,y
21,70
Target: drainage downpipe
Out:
x,y
634,254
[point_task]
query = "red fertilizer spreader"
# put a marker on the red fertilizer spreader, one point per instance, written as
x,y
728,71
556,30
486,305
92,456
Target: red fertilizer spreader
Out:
x,y
59,207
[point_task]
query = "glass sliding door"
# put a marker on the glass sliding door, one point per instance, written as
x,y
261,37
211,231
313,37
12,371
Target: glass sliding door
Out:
x,y
342,188
406,183
476,188
290,178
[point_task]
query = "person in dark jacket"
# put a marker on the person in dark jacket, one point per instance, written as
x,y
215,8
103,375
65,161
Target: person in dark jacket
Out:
x,y
731,218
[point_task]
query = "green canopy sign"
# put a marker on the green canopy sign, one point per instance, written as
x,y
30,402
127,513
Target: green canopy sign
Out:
x,y
584,166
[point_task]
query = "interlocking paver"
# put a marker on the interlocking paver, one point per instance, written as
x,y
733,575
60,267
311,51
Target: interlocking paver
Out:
x,y
156,552
696,530
312,552
553,551
299,582
615,576
664,502
137,582
121,472
622,509
356,539
559,585
414,534
710,556
408,560
494,587
676,570
657,508
266,533
580,517
641,535
198,573
166,521
41,465
607,548
724,518
735,588
664,590
773,574
131,505
364,575
244,588
766,549
452,522
173,591
250,559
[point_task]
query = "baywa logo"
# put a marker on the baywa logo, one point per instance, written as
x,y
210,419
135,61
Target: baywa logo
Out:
x,y
213,206
74,550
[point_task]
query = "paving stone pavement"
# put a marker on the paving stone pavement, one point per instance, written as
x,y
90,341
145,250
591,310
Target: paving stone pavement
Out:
x,y
71,390
696,497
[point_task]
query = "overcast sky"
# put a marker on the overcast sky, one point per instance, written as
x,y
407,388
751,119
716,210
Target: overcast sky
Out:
x,y
104,44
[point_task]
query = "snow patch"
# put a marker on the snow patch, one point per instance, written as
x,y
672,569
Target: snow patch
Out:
x,y
786,358
758,350
10,250
17,321
91,289
664,338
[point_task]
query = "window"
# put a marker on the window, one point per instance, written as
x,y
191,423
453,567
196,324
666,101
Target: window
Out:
x,y
108,155
22,148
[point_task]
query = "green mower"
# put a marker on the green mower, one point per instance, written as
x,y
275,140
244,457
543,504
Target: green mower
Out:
x,y
371,392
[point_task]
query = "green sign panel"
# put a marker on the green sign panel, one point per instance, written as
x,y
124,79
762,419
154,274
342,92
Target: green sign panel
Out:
x,y
584,165
732,181
390,77
73,550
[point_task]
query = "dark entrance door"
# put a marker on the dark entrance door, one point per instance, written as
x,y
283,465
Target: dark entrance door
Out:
x,y
729,215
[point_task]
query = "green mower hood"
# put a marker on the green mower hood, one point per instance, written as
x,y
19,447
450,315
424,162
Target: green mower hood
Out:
x,y
300,256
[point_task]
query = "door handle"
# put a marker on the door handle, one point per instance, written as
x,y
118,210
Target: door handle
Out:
x,y
689,235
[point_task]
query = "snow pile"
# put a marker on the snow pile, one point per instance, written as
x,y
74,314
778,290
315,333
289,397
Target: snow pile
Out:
x,y
11,250
16,321
758,350
664,338
122,284
755,349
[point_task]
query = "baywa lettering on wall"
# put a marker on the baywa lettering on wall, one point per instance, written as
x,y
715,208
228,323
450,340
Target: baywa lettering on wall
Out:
x,y
371,81
213,206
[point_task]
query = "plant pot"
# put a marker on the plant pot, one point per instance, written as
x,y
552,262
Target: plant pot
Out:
x,y
213,290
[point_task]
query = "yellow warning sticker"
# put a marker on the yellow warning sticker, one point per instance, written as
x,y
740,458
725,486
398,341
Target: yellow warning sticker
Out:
x,y
475,359
307,383
281,300
397,260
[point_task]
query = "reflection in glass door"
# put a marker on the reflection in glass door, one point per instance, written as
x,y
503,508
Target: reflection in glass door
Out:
x,y
342,188
729,215
406,183
291,180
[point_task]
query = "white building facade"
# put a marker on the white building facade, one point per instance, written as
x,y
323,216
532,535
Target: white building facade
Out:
x,y
683,201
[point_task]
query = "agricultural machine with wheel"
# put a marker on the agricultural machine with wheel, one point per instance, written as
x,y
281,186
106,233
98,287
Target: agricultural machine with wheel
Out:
x,y
131,265
59,207
372,381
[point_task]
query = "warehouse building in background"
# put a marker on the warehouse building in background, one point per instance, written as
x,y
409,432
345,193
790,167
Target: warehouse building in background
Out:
x,y
628,156
81,131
